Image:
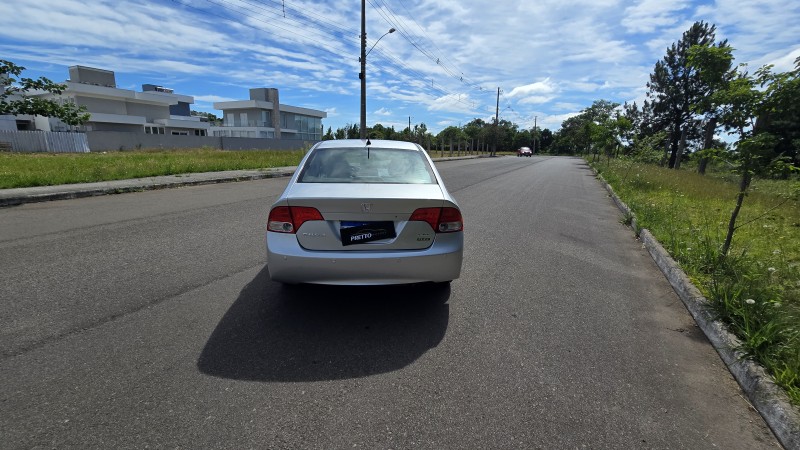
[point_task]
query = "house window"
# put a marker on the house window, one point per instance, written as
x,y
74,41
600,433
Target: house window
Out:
x,y
243,119
199,132
180,133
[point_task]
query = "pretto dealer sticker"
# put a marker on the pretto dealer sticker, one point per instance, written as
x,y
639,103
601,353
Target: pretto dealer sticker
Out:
x,y
361,232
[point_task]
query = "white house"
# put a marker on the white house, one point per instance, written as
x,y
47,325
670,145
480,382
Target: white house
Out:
x,y
155,110
263,116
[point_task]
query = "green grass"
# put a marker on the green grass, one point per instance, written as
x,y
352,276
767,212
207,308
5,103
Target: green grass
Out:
x,y
46,169
756,288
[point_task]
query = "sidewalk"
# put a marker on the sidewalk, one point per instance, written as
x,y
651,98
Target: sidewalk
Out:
x,y
18,196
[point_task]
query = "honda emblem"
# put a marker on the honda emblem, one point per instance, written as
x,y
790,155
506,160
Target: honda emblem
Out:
x,y
366,207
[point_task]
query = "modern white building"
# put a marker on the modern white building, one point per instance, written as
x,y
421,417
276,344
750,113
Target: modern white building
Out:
x,y
263,116
155,110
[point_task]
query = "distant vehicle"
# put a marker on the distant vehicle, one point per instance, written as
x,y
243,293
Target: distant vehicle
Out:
x,y
524,151
365,213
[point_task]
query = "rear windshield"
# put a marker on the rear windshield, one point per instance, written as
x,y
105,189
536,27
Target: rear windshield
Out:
x,y
357,165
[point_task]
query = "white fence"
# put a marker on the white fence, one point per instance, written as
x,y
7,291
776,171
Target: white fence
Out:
x,y
43,141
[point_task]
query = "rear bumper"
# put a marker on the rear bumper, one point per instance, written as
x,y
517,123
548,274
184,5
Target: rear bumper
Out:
x,y
289,263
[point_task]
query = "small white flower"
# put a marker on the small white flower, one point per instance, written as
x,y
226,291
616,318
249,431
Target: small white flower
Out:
x,y
688,249
771,269
776,252
750,301
777,304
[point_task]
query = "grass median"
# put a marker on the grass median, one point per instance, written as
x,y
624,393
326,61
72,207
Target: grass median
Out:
x,y
19,170
755,289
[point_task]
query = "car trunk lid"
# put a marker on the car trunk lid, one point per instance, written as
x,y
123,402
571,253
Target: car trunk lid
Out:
x,y
366,217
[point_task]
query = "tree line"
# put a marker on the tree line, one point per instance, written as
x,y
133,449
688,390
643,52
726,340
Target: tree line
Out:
x,y
695,92
475,135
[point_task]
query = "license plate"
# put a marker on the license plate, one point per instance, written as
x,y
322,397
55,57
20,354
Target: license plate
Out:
x,y
361,232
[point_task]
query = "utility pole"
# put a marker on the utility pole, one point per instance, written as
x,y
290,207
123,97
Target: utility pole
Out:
x,y
409,129
534,135
496,122
363,127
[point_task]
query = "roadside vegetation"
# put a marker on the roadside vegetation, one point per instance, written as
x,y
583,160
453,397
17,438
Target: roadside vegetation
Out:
x,y
755,289
710,164
46,169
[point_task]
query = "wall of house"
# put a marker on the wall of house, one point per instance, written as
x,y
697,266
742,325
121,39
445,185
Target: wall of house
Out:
x,y
91,75
101,105
115,127
8,123
254,118
111,141
181,109
152,112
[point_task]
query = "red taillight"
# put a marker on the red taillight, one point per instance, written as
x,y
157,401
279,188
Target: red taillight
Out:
x,y
442,220
430,215
288,219
450,221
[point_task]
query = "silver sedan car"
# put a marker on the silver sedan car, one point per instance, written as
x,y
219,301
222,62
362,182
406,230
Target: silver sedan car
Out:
x,y
361,212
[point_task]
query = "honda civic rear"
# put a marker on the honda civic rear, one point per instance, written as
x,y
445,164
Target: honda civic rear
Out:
x,y
362,213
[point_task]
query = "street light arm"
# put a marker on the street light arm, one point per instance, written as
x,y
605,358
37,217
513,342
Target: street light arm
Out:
x,y
391,30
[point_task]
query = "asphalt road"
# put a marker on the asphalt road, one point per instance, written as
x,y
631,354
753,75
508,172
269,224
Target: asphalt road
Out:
x,y
149,320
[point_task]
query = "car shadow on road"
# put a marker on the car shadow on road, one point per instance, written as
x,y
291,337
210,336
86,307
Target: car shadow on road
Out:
x,y
315,333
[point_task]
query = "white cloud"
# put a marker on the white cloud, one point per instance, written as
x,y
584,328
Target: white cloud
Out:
x,y
213,98
452,103
646,16
566,106
540,87
536,100
785,63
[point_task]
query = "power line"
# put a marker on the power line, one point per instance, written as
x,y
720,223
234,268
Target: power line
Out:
x,y
326,35
392,19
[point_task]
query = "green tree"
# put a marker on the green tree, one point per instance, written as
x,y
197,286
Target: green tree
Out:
x,y
18,97
781,118
212,118
597,128
378,131
746,106
477,131
506,131
714,66
352,131
523,138
545,140
341,133
675,86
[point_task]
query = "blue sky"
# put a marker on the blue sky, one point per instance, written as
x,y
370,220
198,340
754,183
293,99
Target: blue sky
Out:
x,y
550,58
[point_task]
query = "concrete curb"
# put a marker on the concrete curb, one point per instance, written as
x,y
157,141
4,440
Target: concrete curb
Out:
x,y
765,396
